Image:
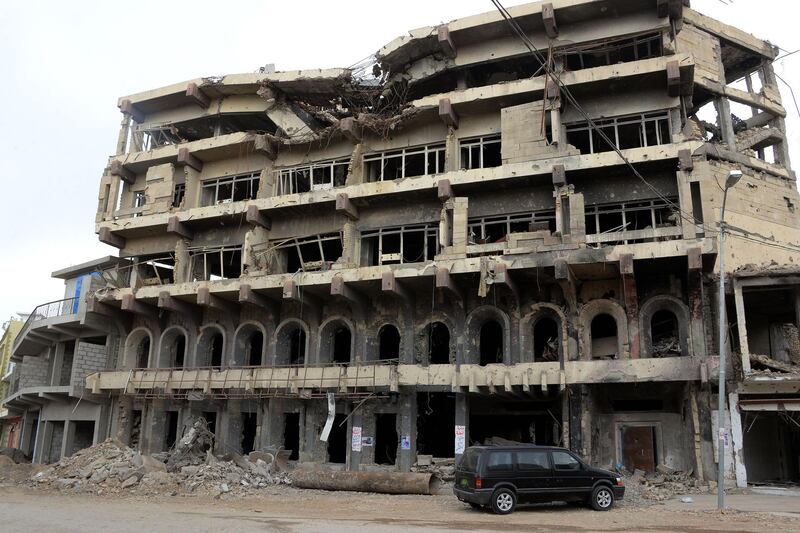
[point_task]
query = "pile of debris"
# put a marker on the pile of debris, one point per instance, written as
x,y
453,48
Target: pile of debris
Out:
x,y
190,467
764,364
12,456
443,468
663,484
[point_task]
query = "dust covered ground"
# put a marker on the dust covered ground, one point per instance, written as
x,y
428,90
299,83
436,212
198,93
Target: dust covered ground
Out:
x,y
284,508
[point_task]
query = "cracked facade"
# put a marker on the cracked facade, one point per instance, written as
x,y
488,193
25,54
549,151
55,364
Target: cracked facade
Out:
x,y
441,239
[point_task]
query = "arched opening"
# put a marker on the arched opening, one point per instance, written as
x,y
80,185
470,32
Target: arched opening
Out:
x,y
604,336
388,343
173,348
491,343
143,353
210,347
290,346
664,334
249,346
341,344
546,339
255,348
438,337
297,347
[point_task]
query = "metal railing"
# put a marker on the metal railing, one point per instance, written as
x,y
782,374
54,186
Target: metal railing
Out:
x,y
65,307
353,380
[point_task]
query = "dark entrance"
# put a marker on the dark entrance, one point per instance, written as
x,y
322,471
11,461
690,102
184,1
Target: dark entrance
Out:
x,y
337,440
386,439
291,435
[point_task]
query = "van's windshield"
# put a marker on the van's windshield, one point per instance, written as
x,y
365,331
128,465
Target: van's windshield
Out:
x,y
469,461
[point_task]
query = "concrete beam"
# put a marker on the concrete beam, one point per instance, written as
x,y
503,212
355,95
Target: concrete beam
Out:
x,y
503,278
444,190
106,236
447,113
549,20
266,146
670,8
673,78
249,296
176,227
291,291
129,109
131,305
344,206
559,175
390,285
350,129
118,169
446,44
168,302
255,217
93,305
341,289
685,161
212,301
185,158
197,96
694,257
445,282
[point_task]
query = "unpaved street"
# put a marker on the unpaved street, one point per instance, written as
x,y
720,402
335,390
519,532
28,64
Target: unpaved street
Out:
x,y
285,509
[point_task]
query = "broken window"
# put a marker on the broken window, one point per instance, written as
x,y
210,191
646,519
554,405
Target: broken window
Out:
x,y
604,337
399,245
155,270
386,438
317,252
438,337
491,343
405,163
485,230
613,51
664,334
179,194
320,175
546,339
215,263
388,343
480,152
629,131
230,189
602,219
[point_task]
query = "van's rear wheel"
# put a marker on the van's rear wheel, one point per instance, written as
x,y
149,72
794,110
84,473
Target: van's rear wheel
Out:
x,y
504,501
602,498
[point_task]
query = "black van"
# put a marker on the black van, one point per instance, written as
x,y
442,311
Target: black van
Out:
x,y
500,476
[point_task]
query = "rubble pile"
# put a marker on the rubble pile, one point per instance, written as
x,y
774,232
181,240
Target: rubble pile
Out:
x,y
190,467
663,484
442,468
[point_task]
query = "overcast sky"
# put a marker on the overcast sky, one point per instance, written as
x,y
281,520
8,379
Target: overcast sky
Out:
x,y
64,63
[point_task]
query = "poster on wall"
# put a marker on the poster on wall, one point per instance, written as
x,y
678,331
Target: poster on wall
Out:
x,y
405,442
356,439
461,438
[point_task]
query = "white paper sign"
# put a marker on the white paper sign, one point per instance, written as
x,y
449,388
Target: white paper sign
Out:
x,y
356,439
326,431
461,439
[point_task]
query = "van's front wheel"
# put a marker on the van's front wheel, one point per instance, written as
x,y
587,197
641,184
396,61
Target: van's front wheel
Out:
x,y
602,498
504,501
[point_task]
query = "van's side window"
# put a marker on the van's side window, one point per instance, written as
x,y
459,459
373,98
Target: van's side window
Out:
x,y
499,461
533,461
564,461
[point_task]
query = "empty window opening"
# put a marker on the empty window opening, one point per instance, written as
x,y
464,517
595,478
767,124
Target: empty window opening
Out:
x,y
640,221
216,349
139,201
149,270
255,348
230,189
612,52
320,175
291,435
338,440
341,345
639,448
178,194
604,337
210,348
480,152
83,436
438,336
317,252
171,430
388,343
527,422
174,342
491,343
56,440
771,440
297,347
249,427
486,230
664,334
405,163
65,375
143,353
399,245
630,131
436,419
386,439
546,339
215,263
697,206
136,429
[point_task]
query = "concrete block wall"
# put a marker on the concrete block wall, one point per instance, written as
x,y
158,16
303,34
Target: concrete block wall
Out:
x,y
88,358
34,372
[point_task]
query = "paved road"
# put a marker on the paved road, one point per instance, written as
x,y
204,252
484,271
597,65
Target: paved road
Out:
x,y
295,511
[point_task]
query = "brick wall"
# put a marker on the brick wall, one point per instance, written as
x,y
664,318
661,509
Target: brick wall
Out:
x,y
89,358
34,372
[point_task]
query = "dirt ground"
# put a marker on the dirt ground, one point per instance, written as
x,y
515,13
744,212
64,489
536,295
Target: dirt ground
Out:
x,y
286,509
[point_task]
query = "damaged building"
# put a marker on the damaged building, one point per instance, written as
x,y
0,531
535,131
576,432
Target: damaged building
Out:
x,y
473,234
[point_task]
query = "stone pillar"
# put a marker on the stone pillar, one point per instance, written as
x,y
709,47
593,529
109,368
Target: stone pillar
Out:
x,y
357,426
68,438
462,421
231,433
408,431
631,303
155,427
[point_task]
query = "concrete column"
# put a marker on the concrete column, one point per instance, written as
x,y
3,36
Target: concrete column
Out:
x,y
231,434
193,189
451,155
355,174
67,438
356,421
124,419
737,441
460,230
43,437
631,306
462,419
155,427
697,332
408,431
351,243
725,122
741,326
124,132
57,353
685,201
